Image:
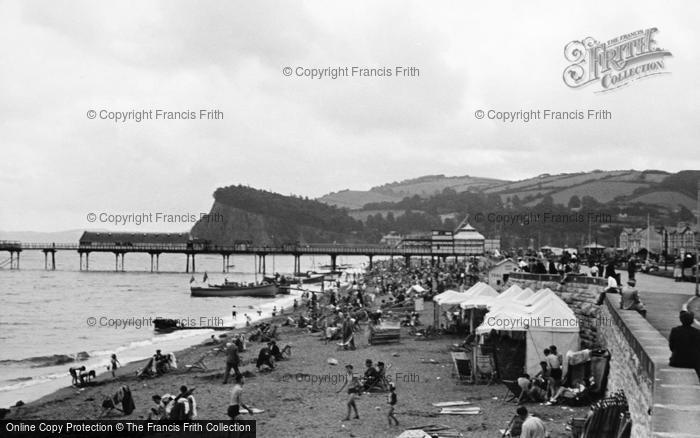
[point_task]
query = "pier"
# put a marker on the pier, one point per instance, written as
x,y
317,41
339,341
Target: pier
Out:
x,y
193,249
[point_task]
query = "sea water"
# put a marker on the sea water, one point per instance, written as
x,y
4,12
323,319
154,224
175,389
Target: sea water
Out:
x,y
53,320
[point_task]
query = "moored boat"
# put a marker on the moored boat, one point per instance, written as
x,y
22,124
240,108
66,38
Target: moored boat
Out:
x,y
234,290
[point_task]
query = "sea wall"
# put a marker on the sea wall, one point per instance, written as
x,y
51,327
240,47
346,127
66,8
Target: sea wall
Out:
x,y
579,292
663,401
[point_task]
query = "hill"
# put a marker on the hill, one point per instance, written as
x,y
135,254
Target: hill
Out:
x,y
242,213
424,186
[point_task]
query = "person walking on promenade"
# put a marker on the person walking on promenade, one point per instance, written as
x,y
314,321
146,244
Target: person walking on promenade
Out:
x,y
631,268
684,342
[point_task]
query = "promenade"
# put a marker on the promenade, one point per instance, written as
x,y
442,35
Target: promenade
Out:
x,y
663,299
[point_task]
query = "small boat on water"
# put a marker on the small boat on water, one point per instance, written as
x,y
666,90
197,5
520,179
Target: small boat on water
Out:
x,y
310,278
166,325
229,289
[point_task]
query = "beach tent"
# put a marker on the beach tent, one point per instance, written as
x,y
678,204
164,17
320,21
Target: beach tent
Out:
x,y
549,321
510,293
447,298
450,297
538,296
479,298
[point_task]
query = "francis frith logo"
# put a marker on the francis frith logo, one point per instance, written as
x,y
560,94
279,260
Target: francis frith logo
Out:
x,y
616,62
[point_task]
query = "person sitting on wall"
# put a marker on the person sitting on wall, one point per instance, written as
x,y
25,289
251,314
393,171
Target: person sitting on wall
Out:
x,y
684,342
612,288
630,299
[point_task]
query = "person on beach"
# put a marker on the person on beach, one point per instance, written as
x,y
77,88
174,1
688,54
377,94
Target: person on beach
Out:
x,y
354,387
533,427
233,360
114,364
265,358
392,403
234,408
74,373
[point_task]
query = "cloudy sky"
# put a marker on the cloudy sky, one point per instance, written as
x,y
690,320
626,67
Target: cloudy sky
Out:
x,y
61,59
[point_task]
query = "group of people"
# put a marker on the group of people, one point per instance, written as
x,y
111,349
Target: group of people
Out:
x,y
357,385
546,383
182,407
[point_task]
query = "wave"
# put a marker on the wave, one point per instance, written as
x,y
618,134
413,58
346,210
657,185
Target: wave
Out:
x,y
48,361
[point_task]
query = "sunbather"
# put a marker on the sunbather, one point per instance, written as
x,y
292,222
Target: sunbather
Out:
x,y
265,358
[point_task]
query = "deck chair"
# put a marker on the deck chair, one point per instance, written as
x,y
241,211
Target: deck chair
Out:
x,y
201,364
485,370
513,390
600,366
463,366
121,397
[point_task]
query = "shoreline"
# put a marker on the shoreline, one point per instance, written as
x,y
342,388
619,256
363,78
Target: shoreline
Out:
x,y
296,404
49,386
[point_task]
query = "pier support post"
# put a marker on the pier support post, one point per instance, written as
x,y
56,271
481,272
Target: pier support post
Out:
x,y
123,254
53,260
297,264
116,262
12,260
46,260
194,269
223,263
87,261
81,260
333,262
151,262
157,262
187,264
407,260
263,264
370,262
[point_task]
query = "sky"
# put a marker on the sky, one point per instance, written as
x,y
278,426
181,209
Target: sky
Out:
x,y
293,134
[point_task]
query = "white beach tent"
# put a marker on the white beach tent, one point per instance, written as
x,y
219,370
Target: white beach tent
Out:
x,y
447,298
450,297
510,293
550,321
479,298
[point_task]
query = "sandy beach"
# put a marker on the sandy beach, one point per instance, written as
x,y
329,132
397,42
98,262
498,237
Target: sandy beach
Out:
x,y
300,398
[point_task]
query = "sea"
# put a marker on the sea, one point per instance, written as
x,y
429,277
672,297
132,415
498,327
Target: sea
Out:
x,y
53,320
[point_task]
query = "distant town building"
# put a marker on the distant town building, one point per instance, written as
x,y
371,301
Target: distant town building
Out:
x,y
492,245
463,241
677,240
498,275
467,240
392,239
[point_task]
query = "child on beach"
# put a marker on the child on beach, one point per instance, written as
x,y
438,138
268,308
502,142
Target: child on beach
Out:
x,y
354,387
114,364
391,399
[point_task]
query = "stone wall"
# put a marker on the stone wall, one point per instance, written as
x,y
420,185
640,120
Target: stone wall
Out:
x,y
580,293
663,401
631,370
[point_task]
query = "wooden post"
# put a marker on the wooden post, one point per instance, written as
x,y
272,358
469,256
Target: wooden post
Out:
x,y
53,260
116,262
46,260
187,264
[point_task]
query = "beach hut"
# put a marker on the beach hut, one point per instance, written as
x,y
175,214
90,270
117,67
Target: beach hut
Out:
x,y
498,274
544,322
